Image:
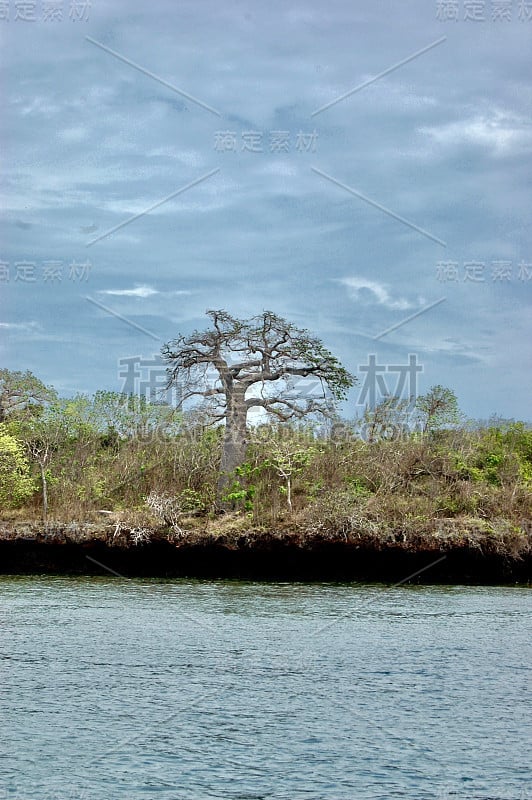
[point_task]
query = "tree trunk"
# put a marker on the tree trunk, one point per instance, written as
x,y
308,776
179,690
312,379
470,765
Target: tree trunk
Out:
x,y
234,447
44,493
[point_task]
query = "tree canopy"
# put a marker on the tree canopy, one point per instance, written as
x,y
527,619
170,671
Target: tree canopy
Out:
x,y
438,408
16,484
22,392
265,349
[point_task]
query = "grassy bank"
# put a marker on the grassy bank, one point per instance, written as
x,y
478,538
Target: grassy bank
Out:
x,y
330,482
125,475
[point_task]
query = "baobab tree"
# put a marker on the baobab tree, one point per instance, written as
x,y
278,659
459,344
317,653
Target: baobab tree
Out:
x,y
254,363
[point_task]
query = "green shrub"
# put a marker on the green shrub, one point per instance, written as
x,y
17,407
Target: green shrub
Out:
x,y
16,484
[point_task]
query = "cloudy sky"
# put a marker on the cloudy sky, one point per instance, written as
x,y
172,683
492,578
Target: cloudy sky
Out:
x,y
362,169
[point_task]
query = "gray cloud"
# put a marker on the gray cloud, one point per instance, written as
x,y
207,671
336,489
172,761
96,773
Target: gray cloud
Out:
x,y
444,141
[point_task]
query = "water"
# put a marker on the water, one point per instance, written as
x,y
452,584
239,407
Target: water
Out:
x,y
146,689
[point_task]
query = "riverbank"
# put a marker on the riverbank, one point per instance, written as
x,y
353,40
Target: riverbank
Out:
x,y
451,555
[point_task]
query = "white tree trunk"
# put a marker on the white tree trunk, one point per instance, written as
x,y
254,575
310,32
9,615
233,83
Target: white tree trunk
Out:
x,y
44,492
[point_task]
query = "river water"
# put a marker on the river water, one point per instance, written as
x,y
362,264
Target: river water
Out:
x,y
140,689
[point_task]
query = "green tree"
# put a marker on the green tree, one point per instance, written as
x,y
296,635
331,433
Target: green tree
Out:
x,y
22,392
54,430
16,484
437,409
40,436
288,457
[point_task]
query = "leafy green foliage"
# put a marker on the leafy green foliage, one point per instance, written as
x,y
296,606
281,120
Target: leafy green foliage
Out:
x,y
499,456
16,484
242,491
518,439
358,487
438,408
21,393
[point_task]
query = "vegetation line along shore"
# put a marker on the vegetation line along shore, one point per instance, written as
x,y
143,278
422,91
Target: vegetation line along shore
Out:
x,y
246,455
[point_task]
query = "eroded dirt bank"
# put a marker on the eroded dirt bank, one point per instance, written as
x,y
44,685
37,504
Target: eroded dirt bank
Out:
x,y
92,550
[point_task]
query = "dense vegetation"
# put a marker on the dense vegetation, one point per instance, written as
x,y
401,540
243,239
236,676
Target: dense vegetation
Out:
x,y
153,466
